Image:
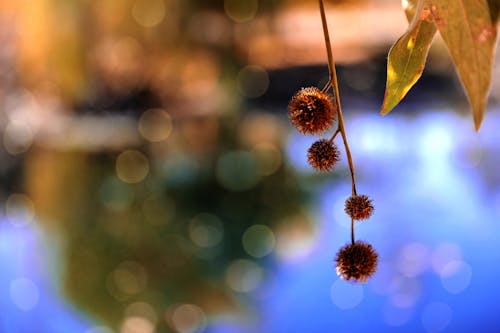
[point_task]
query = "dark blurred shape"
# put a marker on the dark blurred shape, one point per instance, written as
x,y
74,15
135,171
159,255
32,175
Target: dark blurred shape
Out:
x,y
164,229
494,9
362,84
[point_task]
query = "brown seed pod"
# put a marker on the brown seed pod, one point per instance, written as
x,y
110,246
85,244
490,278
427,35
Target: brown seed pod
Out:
x,y
311,111
323,155
356,262
359,207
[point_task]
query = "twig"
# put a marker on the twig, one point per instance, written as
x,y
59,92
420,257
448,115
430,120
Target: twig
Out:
x,y
333,82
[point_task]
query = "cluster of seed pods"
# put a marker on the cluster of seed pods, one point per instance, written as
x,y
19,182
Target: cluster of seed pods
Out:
x,y
313,111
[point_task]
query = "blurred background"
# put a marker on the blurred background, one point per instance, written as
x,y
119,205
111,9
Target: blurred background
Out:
x,y
150,180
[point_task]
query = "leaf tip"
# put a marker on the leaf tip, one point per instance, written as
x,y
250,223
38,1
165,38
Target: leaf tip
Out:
x,y
385,109
478,115
477,124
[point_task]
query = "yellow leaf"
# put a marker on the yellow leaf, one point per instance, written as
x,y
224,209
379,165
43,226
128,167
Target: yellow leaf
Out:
x,y
410,7
406,60
468,30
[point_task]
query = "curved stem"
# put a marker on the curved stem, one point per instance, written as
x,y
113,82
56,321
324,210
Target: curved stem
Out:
x,y
333,82
346,145
334,135
352,230
331,63
327,86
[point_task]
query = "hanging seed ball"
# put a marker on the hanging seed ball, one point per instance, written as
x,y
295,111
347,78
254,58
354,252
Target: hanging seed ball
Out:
x,y
311,111
359,207
323,155
356,262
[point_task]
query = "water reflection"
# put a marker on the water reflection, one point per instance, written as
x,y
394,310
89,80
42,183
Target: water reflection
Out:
x,y
433,225
436,214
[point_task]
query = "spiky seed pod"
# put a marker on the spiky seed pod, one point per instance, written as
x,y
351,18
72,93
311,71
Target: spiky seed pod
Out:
x,y
311,111
356,261
323,155
359,207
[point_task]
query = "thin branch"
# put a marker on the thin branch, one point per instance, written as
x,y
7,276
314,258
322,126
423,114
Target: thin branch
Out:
x,y
334,135
352,230
333,82
327,86
331,63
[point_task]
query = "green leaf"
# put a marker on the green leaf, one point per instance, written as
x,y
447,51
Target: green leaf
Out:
x,y
406,60
470,34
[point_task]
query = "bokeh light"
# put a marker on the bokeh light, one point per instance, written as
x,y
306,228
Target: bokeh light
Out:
x,y
132,166
24,293
405,292
141,310
19,209
444,254
253,81
137,325
206,230
295,238
155,125
130,277
187,318
436,317
17,137
148,13
456,276
346,295
241,11
244,275
258,241
397,316
413,259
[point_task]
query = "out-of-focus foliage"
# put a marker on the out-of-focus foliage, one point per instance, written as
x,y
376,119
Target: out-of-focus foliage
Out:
x,y
193,231
96,54
469,29
180,215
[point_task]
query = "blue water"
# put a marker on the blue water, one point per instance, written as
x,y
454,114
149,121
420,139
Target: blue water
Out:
x,y
436,187
30,301
436,227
